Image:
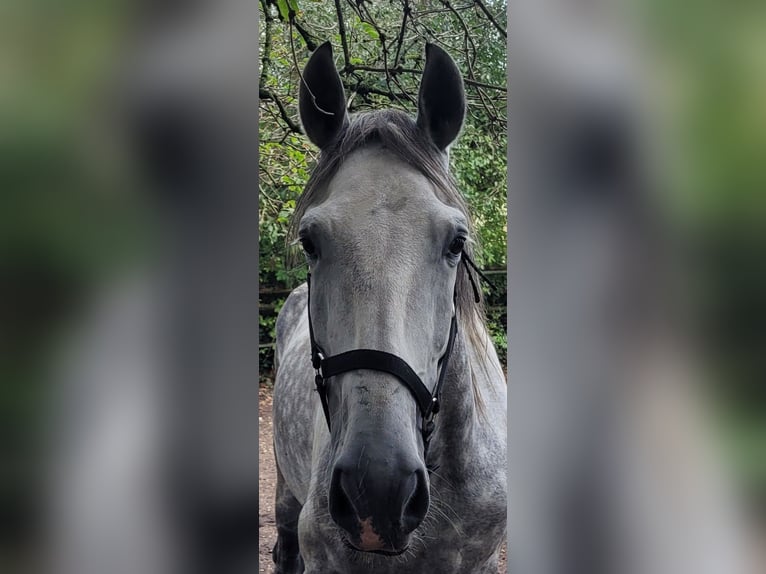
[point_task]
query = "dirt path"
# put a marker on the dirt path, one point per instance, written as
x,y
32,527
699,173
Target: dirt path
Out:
x,y
267,482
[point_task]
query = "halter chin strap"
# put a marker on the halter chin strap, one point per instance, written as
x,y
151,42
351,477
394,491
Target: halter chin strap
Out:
x,y
370,359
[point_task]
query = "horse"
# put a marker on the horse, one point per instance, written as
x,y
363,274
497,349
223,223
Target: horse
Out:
x,y
369,477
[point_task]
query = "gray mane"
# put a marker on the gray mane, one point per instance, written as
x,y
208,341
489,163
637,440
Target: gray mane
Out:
x,y
398,133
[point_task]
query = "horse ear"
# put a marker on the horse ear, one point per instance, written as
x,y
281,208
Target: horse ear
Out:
x,y
322,102
441,101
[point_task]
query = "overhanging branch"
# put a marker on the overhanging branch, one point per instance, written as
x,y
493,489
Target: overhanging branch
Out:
x,y
491,18
266,95
400,70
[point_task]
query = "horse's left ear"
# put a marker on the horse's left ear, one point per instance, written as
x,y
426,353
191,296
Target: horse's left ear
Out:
x,y
441,101
321,100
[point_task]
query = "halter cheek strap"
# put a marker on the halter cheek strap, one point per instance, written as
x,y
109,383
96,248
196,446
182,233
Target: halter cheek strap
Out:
x,y
373,360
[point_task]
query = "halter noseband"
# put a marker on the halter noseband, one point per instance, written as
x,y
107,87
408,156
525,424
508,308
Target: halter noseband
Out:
x,y
371,359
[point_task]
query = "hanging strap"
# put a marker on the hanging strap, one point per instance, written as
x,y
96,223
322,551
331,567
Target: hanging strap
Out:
x,y
316,359
467,261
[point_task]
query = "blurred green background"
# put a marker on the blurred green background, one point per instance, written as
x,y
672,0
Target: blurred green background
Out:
x,y
709,65
68,219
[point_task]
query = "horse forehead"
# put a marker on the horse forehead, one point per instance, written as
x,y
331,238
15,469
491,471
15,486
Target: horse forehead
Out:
x,y
373,178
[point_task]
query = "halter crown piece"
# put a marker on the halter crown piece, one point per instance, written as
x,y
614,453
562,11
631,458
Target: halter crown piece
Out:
x,y
428,402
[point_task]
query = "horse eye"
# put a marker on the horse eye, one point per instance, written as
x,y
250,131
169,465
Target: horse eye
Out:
x,y
456,247
308,246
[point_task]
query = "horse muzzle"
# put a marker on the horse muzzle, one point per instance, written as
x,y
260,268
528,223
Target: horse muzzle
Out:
x,y
378,505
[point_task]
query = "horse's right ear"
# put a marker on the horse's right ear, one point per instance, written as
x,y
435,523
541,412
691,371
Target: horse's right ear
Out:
x,y
322,101
441,100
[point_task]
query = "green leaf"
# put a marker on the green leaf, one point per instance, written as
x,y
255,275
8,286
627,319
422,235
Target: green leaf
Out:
x,y
294,5
370,30
283,8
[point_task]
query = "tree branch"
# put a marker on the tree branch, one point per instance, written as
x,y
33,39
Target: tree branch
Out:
x,y
266,95
363,90
342,30
400,70
307,38
266,57
487,86
491,18
400,39
384,48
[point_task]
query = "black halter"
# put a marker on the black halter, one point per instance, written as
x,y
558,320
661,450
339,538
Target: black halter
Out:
x,y
428,402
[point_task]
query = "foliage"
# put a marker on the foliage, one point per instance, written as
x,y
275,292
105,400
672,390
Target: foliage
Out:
x,y
715,54
380,52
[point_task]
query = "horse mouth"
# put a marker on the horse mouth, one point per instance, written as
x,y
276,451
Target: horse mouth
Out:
x,y
381,552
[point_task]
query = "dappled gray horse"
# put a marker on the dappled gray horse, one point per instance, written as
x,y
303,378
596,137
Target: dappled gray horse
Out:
x,y
392,326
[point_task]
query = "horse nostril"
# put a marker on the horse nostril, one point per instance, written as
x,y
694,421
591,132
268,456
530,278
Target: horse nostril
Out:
x,y
342,510
416,507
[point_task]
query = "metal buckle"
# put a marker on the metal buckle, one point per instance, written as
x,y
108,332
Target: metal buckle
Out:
x,y
320,357
319,380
